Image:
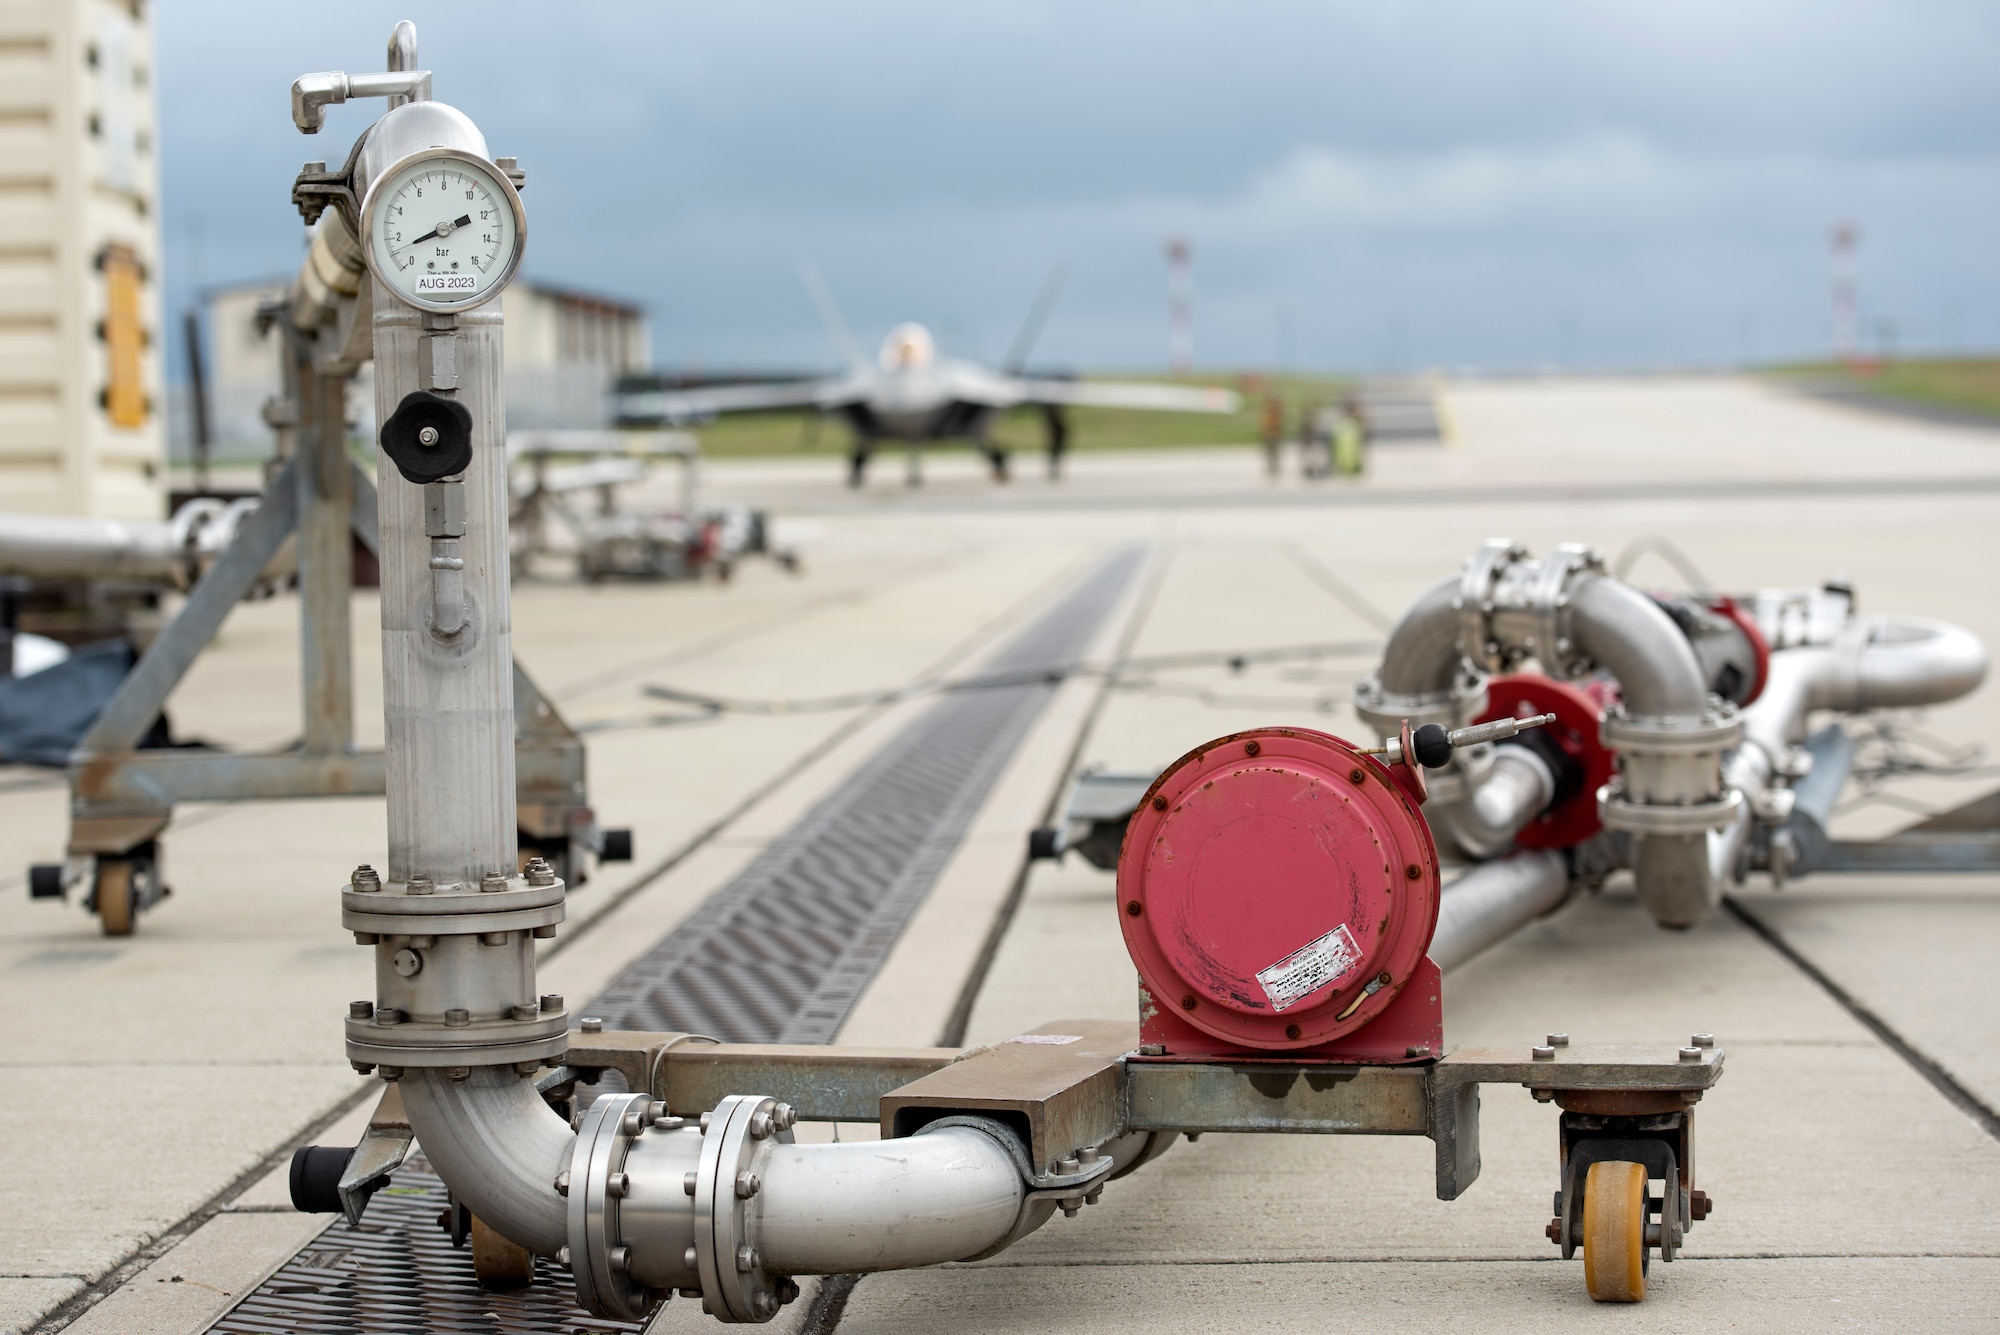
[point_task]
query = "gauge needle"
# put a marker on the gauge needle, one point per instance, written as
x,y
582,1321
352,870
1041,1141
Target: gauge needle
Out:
x,y
443,229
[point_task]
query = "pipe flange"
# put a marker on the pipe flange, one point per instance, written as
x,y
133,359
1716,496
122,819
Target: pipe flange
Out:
x,y
390,909
1386,713
600,1262
1554,646
1475,602
1619,812
1716,731
396,923
388,1039
735,1286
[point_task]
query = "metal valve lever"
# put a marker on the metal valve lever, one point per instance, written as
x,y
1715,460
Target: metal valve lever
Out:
x,y
1431,745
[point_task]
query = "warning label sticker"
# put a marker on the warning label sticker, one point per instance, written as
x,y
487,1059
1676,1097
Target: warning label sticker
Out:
x,y
1046,1038
1310,967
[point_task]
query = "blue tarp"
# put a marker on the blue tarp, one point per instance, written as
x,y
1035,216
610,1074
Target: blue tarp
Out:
x,y
43,716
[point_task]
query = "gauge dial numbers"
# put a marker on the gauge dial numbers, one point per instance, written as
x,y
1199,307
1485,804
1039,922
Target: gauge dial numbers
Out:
x,y
445,230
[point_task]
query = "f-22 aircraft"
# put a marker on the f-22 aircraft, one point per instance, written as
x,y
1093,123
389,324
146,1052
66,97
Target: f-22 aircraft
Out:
x,y
912,396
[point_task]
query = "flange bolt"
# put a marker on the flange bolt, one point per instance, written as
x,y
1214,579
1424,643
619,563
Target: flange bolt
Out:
x,y
552,1001
360,1010
458,1017
539,872
1699,1204
1558,1040
590,1024
1703,1040
421,885
746,1185
562,1184
746,1259
492,883
523,1012
786,1116
616,1185
619,1258
1543,1054
388,1015
365,880
688,1183
1690,1054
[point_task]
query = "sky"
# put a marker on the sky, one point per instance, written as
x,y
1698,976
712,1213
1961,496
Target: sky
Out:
x,y
1372,187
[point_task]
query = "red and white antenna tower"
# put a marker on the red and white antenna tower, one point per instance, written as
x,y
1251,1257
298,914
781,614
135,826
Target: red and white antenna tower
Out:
x,y
1180,304
1846,345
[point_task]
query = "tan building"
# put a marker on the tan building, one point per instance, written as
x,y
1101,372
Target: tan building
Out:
x,y
565,349
81,390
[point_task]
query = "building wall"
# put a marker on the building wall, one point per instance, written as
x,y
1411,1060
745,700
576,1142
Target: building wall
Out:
x,y
82,395
564,351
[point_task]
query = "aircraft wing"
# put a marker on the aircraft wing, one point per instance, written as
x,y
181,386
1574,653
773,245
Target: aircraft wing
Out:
x,y
1109,394
691,405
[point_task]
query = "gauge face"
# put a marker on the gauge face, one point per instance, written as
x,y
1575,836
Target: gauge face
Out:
x,y
444,231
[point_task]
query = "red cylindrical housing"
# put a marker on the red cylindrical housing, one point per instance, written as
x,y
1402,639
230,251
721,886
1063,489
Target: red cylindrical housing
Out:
x,y
1277,891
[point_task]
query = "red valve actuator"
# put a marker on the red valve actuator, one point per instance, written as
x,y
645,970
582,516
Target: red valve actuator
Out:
x,y
1278,890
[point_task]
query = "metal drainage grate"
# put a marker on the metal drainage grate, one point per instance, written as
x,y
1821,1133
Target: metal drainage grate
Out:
x,y
399,1273
780,954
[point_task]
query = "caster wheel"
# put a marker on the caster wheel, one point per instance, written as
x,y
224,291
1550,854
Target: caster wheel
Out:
x,y
1614,1232
114,895
498,1264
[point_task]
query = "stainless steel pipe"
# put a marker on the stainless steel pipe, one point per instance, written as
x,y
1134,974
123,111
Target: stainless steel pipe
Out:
x,y
1517,789
1494,900
174,553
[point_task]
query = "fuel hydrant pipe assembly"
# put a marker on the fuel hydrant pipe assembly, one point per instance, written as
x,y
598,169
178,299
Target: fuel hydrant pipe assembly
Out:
x,y
702,1189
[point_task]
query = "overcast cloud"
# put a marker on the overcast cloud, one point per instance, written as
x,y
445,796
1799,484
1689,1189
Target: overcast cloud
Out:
x,y
1455,184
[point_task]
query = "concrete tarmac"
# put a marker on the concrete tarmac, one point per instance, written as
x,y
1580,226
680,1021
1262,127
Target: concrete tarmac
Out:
x,y
159,1080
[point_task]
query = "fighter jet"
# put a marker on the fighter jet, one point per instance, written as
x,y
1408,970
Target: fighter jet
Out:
x,y
912,396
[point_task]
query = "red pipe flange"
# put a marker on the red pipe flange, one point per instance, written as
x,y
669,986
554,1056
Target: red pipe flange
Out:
x,y
1578,711
1277,891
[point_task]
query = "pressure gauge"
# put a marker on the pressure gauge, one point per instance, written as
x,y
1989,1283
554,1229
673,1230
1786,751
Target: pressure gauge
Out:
x,y
444,229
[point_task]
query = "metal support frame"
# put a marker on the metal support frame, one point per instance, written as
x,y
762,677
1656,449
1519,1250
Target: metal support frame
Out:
x,y
122,798
1076,1083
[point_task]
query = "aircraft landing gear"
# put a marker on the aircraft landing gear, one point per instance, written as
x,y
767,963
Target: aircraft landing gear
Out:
x,y
1058,426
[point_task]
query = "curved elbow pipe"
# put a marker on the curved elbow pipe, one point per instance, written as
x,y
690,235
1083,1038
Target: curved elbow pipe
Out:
x,y
1421,658
498,1146
921,1200
1621,628
1883,663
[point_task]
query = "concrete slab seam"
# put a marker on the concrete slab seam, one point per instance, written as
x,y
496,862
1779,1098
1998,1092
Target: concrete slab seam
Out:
x,y
1940,1079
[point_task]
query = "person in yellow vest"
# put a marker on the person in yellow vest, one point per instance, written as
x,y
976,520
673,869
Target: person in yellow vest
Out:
x,y
1350,439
